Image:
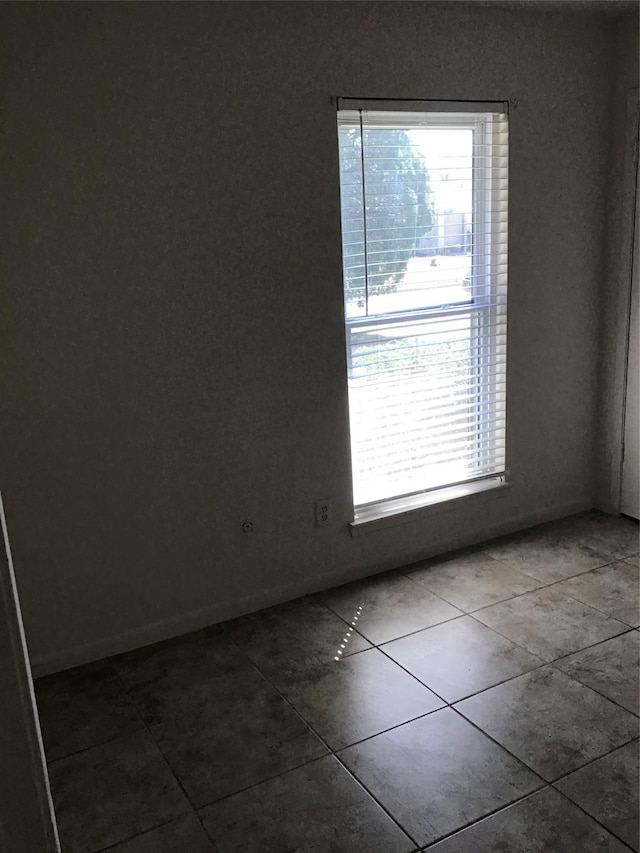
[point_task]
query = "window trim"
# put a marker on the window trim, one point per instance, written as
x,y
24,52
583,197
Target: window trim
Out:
x,y
395,511
421,105
482,315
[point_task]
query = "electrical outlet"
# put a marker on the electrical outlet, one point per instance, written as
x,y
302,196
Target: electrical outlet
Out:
x,y
323,513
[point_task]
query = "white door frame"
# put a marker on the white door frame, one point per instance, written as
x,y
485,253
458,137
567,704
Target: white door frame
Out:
x,y
629,470
615,398
27,820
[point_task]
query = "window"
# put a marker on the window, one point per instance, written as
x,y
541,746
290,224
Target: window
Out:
x,y
423,190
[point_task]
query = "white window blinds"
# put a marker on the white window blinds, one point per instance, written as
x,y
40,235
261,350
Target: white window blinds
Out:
x,y
424,225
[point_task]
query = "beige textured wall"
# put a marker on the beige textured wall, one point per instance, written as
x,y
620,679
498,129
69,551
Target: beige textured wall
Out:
x,y
171,325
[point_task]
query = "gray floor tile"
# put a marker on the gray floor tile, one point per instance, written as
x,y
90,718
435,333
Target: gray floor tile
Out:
x,y
362,695
611,668
437,773
551,722
608,790
473,580
613,536
294,637
315,809
612,589
108,793
83,707
206,705
384,608
263,778
542,554
184,835
460,657
542,823
549,624
183,662
225,733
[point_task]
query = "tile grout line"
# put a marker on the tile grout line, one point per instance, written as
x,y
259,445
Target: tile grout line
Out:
x,y
462,698
547,786
447,703
597,758
53,761
608,560
450,556
196,810
584,811
542,663
163,756
543,585
502,747
548,586
626,630
331,752
401,636
334,753
595,689
113,738
348,626
401,572
490,814
138,834
545,781
463,612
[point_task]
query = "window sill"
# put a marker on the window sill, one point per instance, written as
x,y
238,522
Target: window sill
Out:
x,y
404,510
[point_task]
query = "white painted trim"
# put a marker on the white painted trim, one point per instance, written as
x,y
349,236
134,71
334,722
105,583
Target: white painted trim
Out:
x,y
397,511
628,496
27,820
484,533
219,612
610,500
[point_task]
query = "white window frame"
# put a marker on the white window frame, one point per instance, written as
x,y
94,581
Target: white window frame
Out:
x,y
482,308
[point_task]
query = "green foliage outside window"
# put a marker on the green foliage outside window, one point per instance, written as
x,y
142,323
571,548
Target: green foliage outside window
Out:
x,y
399,207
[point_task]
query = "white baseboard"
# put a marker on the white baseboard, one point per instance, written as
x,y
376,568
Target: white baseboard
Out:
x,y
221,611
157,631
464,539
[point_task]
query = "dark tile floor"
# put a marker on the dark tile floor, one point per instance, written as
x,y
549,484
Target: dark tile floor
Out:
x,y
484,701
